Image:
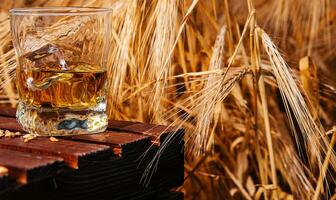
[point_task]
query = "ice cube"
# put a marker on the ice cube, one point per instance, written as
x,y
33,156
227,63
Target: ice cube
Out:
x,y
47,58
47,81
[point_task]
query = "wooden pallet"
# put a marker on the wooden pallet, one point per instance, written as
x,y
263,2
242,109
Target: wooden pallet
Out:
x,y
108,165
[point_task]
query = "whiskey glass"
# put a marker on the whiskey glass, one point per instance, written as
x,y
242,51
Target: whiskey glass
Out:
x,y
61,69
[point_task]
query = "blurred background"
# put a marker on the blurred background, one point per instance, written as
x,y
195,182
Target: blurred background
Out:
x,y
168,64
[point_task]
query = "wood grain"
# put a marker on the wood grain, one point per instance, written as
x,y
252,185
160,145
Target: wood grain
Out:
x,y
157,133
71,152
7,111
107,165
121,142
9,124
26,167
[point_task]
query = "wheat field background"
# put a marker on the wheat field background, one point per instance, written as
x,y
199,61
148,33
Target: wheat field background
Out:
x,y
251,81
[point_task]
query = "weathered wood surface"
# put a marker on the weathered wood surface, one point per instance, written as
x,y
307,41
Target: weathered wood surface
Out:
x,y
120,142
71,152
108,165
26,167
9,124
7,111
157,133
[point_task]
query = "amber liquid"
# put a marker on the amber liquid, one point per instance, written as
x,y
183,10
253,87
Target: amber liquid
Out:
x,y
58,95
80,88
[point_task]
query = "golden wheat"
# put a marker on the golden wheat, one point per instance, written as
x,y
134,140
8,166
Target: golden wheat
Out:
x,y
250,124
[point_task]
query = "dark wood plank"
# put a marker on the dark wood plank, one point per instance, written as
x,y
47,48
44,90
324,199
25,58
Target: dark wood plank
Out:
x,y
157,133
7,111
170,195
26,167
115,178
121,142
3,177
8,123
109,178
72,152
120,177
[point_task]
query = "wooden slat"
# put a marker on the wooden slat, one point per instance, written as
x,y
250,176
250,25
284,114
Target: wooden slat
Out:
x,y
9,124
3,177
157,133
120,177
72,152
25,167
114,177
7,111
121,142
170,195
117,178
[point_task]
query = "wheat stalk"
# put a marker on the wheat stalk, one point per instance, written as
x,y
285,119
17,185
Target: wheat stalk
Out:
x,y
194,81
313,135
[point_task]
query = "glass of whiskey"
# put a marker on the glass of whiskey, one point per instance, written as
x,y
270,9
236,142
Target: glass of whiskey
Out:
x,y
61,69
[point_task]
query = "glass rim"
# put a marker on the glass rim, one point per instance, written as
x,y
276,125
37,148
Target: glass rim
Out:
x,y
59,11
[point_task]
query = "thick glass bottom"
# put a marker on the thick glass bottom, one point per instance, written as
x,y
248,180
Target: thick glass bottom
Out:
x,y
62,121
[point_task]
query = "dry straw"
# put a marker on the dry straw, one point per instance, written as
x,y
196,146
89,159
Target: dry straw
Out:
x,y
252,130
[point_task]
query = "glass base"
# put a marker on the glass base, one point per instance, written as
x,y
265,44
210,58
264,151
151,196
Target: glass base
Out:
x,y
62,122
